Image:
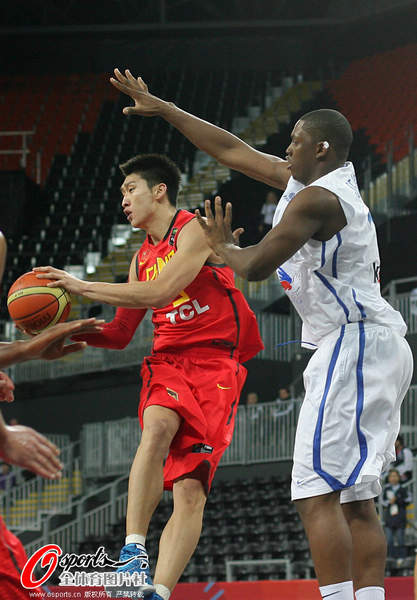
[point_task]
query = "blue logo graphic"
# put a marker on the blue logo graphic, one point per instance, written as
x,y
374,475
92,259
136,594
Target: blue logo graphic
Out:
x,y
284,279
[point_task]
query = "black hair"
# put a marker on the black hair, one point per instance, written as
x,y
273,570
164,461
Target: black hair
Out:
x,y
154,169
329,125
400,439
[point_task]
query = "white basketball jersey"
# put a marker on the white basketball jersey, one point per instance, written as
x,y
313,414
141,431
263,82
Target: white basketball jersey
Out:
x,y
337,282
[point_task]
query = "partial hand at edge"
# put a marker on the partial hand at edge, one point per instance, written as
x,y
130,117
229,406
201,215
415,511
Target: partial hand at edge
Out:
x,y
6,388
26,448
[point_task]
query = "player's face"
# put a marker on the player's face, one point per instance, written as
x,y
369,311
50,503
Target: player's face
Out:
x,y
301,154
138,204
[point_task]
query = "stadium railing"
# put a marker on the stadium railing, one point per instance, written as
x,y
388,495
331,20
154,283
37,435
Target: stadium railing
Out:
x,y
263,433
261,562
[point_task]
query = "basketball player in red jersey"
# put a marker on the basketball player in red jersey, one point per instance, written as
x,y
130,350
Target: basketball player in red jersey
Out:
x,y
204,330
23,446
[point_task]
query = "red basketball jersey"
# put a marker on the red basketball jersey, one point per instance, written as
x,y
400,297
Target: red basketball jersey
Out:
x,y
210,312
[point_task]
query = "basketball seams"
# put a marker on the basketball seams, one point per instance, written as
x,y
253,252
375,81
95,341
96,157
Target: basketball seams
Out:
x,y
22,293
55,299
62,303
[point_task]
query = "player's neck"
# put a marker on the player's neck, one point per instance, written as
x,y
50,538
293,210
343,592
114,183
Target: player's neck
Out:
x,y
323,169
161,220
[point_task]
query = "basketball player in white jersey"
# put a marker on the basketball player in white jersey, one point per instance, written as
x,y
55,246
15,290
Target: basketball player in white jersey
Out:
x,y
323,245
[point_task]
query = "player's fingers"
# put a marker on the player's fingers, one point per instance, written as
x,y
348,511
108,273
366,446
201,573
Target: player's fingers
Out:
x,y
79,324
58,283
120,76
200,219
49,458
129,110
143,84
75,347
218,210
46,268
228,214
207,210
130,78
236,235
48,444
43,468
122,87
5,382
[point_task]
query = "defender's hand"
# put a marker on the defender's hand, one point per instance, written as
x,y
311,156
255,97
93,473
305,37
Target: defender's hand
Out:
x,y
50,344
146,105
218,228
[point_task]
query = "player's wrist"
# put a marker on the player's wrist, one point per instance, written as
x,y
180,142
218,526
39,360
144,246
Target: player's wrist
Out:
x,y
83,287
166,110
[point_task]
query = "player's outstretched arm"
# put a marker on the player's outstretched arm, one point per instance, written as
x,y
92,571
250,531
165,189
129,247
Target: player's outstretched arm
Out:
x,y
177,274
314,212
225,147
26,448
49,344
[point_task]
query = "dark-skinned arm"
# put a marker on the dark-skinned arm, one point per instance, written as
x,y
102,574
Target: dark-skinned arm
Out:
x,y
225,147
314,212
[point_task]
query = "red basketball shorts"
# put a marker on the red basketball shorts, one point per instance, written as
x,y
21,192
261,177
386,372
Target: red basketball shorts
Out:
x,y
12,560
203,388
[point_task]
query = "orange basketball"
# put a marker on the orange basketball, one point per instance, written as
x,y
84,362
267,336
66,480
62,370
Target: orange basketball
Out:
x,y
33,306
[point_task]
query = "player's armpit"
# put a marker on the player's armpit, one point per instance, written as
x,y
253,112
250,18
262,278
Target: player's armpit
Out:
x,y
306,215
258,165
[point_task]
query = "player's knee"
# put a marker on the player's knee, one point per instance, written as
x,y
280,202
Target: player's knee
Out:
x,y
157,436
361,511
189,495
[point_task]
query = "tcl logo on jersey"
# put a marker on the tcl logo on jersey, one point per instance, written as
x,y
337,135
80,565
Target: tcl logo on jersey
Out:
x,y
186,312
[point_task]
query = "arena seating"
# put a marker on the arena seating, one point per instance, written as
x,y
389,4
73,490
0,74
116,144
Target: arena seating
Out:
x,y
244,520
384,108
82,185
55,107
83,136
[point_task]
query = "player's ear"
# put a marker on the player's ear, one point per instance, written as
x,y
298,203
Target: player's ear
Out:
x,y
322,149
159,190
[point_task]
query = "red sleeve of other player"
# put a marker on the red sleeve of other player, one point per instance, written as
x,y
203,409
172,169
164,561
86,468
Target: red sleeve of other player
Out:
x,y
118,333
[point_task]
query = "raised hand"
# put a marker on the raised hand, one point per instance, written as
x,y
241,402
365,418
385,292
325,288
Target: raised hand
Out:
x,y
146,105
218,228
26,448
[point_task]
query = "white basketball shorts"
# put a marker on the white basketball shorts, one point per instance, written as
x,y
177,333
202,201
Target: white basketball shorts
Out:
x,y
350,418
